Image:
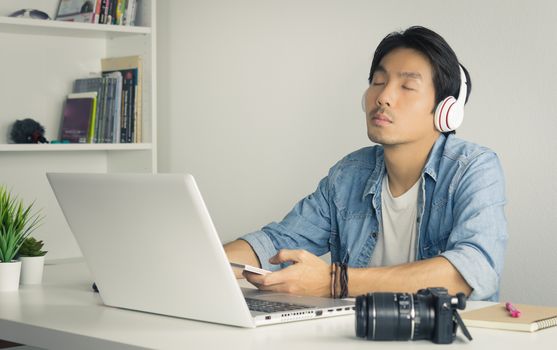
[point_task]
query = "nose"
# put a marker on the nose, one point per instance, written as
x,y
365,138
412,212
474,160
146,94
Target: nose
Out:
x,y
383,99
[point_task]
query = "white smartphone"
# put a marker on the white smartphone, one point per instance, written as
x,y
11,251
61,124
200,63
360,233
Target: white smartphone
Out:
x,y
250,268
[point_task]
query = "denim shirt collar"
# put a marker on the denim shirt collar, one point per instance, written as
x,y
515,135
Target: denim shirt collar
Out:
x,y
431,166
434,159
373,184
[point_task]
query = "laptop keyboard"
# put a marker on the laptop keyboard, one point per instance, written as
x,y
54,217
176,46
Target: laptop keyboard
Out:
x,y
273,306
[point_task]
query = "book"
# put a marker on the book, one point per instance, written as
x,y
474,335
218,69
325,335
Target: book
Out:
x,y
113,128
130,116
93,84
130,13
97,16
532,318
78,120
102,11
77,10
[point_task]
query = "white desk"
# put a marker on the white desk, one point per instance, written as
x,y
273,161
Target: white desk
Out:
x,y
64,313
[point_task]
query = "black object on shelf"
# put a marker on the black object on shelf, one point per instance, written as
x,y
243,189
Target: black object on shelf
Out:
x,y
27,131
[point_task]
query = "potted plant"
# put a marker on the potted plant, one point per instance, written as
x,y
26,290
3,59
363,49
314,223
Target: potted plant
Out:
x,y
31,256
16,223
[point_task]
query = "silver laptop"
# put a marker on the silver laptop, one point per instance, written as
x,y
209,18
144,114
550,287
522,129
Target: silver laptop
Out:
x,y
151,246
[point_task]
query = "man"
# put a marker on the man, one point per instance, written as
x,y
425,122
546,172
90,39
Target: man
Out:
x,y
423,209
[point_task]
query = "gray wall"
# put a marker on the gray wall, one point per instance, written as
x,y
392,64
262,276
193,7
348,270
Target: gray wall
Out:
x,y
259,98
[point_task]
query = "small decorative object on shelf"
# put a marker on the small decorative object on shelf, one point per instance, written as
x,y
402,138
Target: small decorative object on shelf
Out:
x,y
31,256
30,13
27,131
76,11
16,223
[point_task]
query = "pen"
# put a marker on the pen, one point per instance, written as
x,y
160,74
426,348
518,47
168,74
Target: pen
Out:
x,y
513,311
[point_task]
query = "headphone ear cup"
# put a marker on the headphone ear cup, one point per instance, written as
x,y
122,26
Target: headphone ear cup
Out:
x,y
449,113
364,102
448,116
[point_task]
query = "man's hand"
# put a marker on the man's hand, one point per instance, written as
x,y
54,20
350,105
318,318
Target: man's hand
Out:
x,y
308,275
239,251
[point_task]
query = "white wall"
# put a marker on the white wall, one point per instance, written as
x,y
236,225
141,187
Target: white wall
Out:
x,y
259,98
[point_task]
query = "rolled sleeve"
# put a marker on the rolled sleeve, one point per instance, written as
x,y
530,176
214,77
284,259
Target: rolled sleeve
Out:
x,y
263,247
477,242
479,275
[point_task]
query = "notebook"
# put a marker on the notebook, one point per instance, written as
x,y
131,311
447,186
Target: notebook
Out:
x,y
151,246
532,318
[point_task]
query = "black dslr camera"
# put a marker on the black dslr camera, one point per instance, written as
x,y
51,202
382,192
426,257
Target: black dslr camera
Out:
x,y
429,314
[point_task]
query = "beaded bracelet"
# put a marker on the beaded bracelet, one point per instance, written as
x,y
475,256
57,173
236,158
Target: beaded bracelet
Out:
x,y
339,274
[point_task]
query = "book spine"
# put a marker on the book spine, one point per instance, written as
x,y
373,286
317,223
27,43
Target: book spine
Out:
x,y
138,115
132,125
107,127
100,106
128,12
118,112
119,12
126,94
133,13
129,112
109,102
102,15
107,12
104,113
93,121
114,11
96,18
115,109
111,11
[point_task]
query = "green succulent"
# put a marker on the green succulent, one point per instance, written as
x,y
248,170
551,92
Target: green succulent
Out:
x,y
31,247
16,223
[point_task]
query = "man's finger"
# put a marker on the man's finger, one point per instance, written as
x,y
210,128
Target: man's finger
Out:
x,y
286,255
279,288
271,279
260,280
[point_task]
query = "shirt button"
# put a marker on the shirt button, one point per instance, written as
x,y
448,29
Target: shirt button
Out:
x,y
374,235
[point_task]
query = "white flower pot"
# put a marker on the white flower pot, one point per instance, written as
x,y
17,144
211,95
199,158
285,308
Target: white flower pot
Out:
x,y
9,276
31,269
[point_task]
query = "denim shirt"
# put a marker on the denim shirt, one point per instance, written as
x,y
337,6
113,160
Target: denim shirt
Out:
x,y
460,214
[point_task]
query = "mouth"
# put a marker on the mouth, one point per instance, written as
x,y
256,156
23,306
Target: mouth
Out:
x,y
380,118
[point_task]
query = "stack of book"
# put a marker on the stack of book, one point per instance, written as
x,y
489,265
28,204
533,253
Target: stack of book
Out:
x,y
106,108
119,12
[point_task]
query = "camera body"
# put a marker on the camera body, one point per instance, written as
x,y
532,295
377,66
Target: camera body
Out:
x,y
428,314
444,327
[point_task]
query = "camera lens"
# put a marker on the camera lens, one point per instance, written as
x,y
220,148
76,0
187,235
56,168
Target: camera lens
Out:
x,y
395,316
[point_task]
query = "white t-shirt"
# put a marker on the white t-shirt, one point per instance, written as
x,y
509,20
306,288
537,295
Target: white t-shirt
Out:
x,y
396,242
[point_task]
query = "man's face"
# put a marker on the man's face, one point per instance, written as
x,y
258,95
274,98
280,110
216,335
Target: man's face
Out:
x,y
400,99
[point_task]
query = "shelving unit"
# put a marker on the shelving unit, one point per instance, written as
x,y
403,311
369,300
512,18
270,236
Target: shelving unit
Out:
x,y
40,61
75,147
30,26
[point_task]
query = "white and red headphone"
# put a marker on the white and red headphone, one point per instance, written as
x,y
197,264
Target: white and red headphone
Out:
x,y
449,113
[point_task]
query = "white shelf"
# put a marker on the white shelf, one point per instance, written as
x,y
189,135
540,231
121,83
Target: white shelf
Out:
x,y
40,61
75,147
51,27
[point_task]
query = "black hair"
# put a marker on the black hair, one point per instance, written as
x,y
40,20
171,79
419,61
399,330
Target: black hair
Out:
x,y
444,63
